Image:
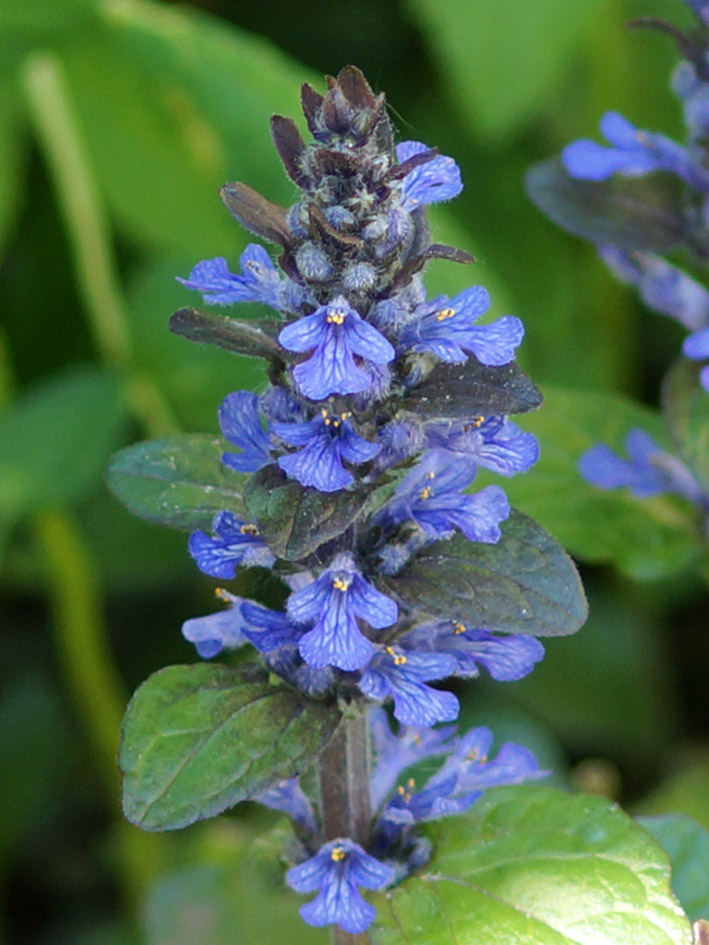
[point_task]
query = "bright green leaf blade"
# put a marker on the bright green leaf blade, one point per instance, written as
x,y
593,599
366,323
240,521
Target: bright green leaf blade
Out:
x,y
199,739
502,59
687,845
685,406
174,103
55,439
533,866
645,538
526,583
178,481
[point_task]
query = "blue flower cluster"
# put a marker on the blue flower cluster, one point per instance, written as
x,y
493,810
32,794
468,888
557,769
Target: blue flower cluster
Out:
x,y
357,328
632,152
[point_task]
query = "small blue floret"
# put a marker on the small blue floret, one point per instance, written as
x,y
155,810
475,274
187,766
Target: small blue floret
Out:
x,y
335,873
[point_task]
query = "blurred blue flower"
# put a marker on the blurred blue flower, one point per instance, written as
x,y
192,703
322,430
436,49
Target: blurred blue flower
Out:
x,y
633,152
696,346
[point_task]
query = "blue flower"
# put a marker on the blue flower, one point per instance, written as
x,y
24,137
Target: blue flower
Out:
x,y
325,442
336,870
696,346
240,422
633,153
447,328
494,442
436,180
403,674
462,779
648,471
335,334
431,495
395,753
332,603
506,658
288,797
663,287
236,543
267,629
222,630
259,280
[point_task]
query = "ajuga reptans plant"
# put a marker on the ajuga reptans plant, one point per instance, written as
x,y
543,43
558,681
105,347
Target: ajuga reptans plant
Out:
x,y
344,487
640,197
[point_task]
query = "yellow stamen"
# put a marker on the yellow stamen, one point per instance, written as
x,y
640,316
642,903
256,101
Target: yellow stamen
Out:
x,y
221,594
336,318
426,493
340,585
430,475
416,739
399,658
323,412
337,854
253,266
249,529
458,628
445,313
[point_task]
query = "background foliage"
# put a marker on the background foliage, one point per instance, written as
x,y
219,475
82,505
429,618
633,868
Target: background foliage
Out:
x,y
119,120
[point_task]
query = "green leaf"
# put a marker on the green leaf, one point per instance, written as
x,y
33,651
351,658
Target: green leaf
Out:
x,y
502,60
174,103
685,407
11,159
526,583
55,439
256,339
295,520
199,739
687,845
233,885
534,866
178,481
628,212
645,538
455,391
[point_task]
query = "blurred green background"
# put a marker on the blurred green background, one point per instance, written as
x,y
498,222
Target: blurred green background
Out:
x,y
119,121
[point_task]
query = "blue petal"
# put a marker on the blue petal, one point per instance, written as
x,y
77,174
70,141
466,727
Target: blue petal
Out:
x,y
339,902
306,333
494,344
505,658
354,448
696,346
336,640
366,341
437,180
212,633
306,603
240,422
371,605
217,284
318,465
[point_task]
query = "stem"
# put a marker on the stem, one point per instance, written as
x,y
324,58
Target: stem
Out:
x,y
344,794
81,637
58,130
344,782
